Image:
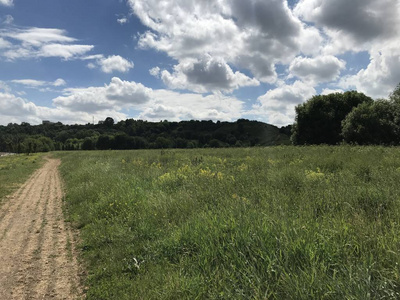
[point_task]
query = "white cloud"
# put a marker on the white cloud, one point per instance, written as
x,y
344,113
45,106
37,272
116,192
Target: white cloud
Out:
x,y
4,44
64,51
38,36
110,64
382,74
16,110
40,42
328,91
39,83
317,70
122,20
352,25
12,106
91,66
278,105
155,71
114,96
6,2
360,25
115,63
206,74
59,82
176,106
258,33
30,82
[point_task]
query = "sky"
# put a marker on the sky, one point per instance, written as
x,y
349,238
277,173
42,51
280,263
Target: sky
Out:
x,y
78,61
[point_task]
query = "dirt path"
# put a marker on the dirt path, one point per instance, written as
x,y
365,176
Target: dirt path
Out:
x,y
37,259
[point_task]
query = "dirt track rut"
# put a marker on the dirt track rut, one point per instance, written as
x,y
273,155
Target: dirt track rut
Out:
x,y
37,257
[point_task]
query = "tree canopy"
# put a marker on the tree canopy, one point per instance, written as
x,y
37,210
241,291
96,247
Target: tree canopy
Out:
x,y
319,120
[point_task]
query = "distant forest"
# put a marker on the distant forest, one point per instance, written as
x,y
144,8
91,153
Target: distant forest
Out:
x,y
139,134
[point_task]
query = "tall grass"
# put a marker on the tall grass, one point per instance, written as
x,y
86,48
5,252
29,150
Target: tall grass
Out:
x,y
260,223
15,169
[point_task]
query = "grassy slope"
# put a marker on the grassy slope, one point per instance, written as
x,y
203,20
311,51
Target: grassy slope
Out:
x,y
277,223
15,169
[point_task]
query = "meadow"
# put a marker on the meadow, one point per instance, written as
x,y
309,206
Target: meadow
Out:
x,y
15,170
248,223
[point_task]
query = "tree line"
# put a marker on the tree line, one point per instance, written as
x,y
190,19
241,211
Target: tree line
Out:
x,y
138,134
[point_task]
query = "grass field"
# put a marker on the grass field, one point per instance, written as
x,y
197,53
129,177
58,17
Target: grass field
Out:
x,y
260,223
15,169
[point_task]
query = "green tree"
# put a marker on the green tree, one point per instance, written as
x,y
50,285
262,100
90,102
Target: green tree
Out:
x,y
372,124
89,143
104,142
319,120
395,95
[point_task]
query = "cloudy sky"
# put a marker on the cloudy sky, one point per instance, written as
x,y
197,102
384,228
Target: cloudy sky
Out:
x,y
74,61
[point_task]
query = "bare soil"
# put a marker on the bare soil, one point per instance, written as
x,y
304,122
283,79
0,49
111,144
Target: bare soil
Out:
x,y
37,253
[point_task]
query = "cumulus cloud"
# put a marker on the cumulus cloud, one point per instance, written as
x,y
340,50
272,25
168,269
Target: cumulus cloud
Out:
x,y
6,2
115,63
40,42
278,105
59,82
155,71
114,96
187,106
16,110
352,24
382,74
110,64
206,74
12,106
360,25
258,34
318,69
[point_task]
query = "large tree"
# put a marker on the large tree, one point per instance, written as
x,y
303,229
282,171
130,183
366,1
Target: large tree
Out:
x,y
374,123
319,120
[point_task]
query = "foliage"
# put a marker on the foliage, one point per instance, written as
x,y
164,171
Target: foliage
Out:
x,y
250,223
375,123
319,120
395,95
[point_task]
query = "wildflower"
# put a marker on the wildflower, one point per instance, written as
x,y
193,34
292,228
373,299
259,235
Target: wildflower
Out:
x,y
314,175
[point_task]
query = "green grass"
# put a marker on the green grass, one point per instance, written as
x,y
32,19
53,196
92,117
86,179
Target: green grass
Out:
x,y
15,170
260,223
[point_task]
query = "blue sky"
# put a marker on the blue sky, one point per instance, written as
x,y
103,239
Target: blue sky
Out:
x,y
72,61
